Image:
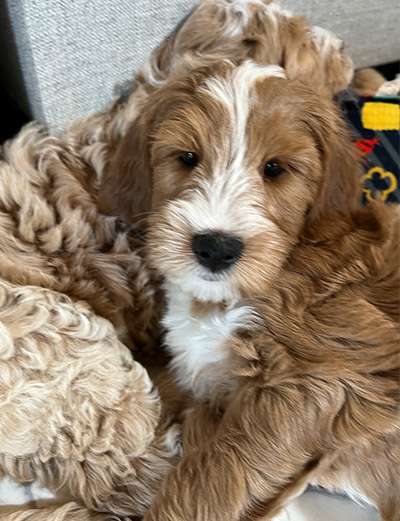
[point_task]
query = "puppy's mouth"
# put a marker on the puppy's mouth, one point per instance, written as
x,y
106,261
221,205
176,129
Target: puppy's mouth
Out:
x,y
211,277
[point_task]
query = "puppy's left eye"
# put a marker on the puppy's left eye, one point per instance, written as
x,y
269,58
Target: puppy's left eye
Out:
x,y
189,159
273,169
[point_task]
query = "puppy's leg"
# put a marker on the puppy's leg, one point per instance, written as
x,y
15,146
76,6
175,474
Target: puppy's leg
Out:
x,y
200,427
259,449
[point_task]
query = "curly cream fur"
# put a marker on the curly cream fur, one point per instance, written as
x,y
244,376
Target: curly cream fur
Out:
x,y
47,194
68,512
76,411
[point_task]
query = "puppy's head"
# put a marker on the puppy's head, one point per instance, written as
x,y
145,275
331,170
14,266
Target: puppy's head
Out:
x,y
234,162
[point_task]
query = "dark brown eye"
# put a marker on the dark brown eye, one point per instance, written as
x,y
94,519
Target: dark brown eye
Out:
x,y
189,159
273,169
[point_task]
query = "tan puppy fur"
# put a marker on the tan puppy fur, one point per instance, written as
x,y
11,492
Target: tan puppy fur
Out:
x,y
76,410
295,349
68,512
48,193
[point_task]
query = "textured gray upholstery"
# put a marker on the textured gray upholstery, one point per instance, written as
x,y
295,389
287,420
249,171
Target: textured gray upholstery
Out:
x,y
71,53
370,28
63,58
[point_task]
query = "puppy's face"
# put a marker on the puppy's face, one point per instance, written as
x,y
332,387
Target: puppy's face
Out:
x,y
236,162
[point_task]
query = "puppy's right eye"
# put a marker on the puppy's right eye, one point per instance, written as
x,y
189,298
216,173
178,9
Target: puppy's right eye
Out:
x,y
273,169
189,159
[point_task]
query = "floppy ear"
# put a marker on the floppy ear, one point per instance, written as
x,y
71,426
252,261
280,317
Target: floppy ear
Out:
x,y
126,186
340,186
126,189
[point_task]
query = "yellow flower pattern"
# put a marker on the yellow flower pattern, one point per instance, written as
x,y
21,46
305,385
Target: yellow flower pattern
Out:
x,y
384,175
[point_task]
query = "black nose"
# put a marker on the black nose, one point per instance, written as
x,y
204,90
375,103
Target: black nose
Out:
x,y
217,251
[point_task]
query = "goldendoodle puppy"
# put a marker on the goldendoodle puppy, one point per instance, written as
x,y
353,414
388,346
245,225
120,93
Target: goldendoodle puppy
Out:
x,y
78,413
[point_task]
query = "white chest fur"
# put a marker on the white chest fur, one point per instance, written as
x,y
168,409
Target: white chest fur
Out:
x,y
199,343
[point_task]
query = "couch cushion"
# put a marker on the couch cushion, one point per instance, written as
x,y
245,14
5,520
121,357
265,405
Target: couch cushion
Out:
x,y
72,54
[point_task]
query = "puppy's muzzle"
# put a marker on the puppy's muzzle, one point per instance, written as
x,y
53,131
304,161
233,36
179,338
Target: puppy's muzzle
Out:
x,y
217,251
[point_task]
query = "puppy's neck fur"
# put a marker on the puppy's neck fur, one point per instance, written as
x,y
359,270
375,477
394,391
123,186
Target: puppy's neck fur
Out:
x,y
197,334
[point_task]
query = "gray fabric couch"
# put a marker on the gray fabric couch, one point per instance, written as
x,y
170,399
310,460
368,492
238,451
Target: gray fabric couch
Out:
x,y
63,58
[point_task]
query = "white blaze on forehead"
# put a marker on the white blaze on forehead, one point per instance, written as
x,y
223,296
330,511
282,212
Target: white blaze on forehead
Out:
x,y
226,199
239,13
235,93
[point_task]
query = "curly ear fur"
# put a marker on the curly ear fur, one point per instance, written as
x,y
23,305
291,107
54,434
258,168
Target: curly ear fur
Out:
x,y
69,512
126,187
